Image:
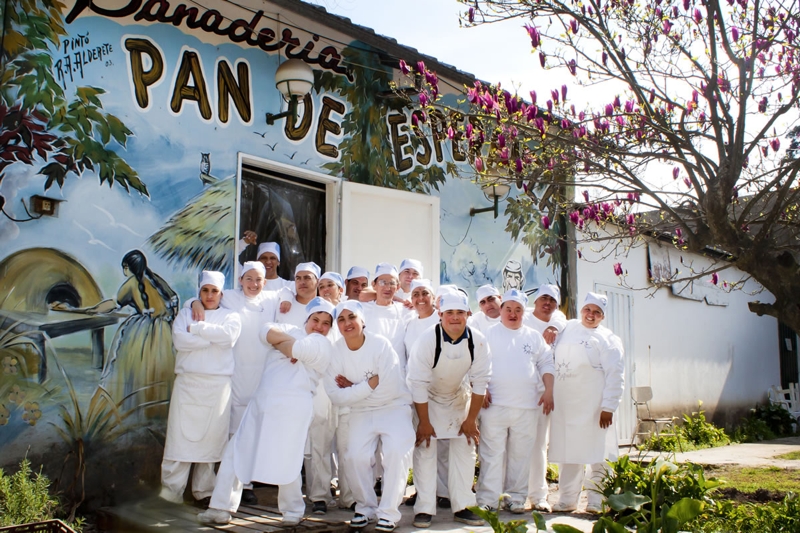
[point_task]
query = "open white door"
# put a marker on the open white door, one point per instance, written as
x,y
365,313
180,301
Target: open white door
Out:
x,y
387,225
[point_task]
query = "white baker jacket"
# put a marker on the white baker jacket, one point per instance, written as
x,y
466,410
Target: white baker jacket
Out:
x,y
269,444
589,379
481,322
558,320
446,388
415,327
388,321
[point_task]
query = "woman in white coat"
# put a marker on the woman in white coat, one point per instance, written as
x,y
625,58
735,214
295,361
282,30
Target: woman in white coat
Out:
x,y
199,410
268,446
589,383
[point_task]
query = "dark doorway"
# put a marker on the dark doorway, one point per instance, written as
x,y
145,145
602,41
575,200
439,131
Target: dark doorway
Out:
x,y
788,347
287,210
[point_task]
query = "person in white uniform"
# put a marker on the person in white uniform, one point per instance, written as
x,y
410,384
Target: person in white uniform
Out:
x,y
548,320
268,445
385,316
365,375
489,301
306,277
331,287
200,407
590,370
448,371
269,255
410,269
521,362
422,297
357,280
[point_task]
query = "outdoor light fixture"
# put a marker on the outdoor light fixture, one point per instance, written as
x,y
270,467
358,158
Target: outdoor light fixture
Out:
x,y
294,79
494,192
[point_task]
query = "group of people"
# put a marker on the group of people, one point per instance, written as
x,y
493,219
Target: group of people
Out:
x,y
361,377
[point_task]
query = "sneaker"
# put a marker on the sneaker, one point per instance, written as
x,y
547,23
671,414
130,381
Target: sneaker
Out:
x,y
516,507
411,500
214,516
249,497
422,520
561,507
442,502
489,508
543,506
359,521
594,508
319,507
465,516
385,525
291,520
202,503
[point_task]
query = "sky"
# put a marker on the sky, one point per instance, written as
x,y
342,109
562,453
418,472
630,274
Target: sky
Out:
x,y
499,52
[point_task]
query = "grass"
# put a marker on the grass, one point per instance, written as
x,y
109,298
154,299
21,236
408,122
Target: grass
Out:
x,y
749,479
791,456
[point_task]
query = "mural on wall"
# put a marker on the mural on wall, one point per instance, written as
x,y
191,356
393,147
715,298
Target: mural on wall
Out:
x,y
126,124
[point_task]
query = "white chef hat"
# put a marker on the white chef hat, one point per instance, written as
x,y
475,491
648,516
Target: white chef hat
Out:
x,y
486,290
357,272
253,265
600,300
271,247
419,282
385,268
454,300
319,305
212,277
351,305
552,291
412,263
515,295
308,267
334,277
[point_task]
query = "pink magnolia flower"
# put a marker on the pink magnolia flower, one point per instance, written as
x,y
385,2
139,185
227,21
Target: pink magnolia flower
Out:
x,y
546,222
533,97
471,15
542,58
533,33
735,33
714,278
423,99
479,164
404,68
675,172
572,66
775,144
618,269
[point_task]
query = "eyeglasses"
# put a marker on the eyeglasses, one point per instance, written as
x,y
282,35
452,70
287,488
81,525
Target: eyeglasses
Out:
x,y
386,283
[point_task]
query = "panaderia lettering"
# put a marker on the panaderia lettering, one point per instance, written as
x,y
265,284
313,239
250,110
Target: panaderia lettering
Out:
x,y
212,21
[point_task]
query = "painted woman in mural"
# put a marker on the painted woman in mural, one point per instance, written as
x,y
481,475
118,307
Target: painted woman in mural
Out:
x,y
142,352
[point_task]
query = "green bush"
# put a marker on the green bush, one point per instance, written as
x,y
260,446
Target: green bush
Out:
x,y
701,433
24,497
752,429
731,517
552,473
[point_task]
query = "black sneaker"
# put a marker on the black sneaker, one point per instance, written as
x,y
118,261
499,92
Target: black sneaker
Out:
x,y
442,502
378,488
319,507
202,503
249,497
466,516
422,520
358,521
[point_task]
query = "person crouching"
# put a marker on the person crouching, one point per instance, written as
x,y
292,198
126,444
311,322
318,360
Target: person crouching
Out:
x,y
199,411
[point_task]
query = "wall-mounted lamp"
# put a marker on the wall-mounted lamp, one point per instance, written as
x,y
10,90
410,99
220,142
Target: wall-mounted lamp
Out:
x,y
494,192
294,79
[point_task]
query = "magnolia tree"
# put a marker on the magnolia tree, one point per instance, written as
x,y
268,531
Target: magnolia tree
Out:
x,y
688,146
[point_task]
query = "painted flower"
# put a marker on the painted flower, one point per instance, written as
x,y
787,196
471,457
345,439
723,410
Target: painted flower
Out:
x,y
16,395
546,222
10,365
4,415
32,413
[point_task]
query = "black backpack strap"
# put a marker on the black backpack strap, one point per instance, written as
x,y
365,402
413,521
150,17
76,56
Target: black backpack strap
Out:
x,y
470,345
438,351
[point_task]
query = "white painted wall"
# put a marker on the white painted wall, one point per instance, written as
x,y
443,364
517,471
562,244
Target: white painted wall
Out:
x,y
726,357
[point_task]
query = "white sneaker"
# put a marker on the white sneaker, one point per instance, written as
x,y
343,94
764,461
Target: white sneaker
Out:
x,y
516,507
291,520
543,506
214,516
561,507
594,508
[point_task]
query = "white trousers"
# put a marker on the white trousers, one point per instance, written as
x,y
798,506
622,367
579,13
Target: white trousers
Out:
x,y
537,481
318,463
572,478
228,490
346,498
442,463
175,476
391,427
461,462
507,436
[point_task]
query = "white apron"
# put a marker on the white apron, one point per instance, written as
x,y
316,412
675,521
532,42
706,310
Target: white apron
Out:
x,y
199,417
575,433
249,354
447,411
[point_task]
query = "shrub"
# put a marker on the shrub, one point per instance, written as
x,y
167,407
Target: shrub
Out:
x,y
701,433
727,516
24,497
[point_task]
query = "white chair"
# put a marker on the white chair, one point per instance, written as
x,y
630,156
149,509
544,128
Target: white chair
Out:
x,y
789,398
661,425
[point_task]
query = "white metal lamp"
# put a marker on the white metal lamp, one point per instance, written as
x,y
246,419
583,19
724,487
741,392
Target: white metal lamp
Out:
x,y
294,79
494,192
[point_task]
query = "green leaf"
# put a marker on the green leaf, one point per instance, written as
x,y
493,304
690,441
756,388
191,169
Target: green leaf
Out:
x,y
538,519
564,528
627,500
686,509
